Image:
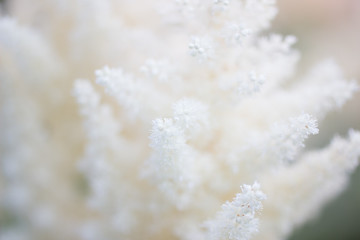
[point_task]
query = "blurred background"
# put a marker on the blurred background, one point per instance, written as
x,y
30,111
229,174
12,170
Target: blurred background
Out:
x,y
329,28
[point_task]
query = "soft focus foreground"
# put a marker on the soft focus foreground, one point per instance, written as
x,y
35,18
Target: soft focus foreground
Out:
x,y
161,120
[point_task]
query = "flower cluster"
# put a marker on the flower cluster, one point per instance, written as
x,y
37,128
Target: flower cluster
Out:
x,y
237,219
140,120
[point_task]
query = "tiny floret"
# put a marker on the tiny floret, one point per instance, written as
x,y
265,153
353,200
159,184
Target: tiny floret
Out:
x,y
190,113
122,87
201,48
250,84
304,125
166,135
235,34
288,138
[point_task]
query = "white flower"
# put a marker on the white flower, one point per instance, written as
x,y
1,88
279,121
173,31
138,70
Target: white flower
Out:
x,y
120,85
287,138
156,147
236,220
190,113
250,84
235,33
201,48
166,135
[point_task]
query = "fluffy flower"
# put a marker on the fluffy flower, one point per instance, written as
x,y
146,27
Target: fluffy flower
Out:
x,y
236,220
175,118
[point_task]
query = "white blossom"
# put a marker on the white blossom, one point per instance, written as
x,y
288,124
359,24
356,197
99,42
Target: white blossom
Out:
x,y
288,138
190,113
201,48
166,135
250,84
189,100
236,220
120,85
236,33
173,162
